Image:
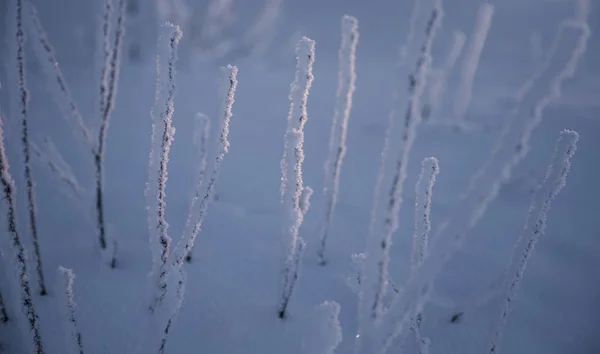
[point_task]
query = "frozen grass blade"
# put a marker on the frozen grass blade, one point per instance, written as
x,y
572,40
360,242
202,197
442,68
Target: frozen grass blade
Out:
x,y
376,266
24,107
471,61
304,205
424,192
108,92
535,226
292,163
106,53
339,125
69,278
167,139
8,188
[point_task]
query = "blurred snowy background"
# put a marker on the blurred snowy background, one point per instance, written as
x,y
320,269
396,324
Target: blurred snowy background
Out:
x,y
234,278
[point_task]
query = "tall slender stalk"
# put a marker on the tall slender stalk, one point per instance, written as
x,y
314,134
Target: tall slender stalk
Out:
x,y
8,189
108,92
24,106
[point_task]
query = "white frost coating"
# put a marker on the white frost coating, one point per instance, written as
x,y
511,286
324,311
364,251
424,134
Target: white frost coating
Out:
x,y
471,61
151,189
339,124
168,131
473,204
535,226
303,65
187,243
307,192
375,273
424,191
75,342
292,166
324,332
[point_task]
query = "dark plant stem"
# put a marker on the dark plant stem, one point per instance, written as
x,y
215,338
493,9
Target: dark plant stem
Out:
x,y
107,102
8,190
24,98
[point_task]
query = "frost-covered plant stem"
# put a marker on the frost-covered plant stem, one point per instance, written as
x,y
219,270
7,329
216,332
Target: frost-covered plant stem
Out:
x,y
108,92
430,168
200,182
167,139
9,196
424,193
473,205
339,125
24,107
375,272
178,272
69,278
293,159
535,226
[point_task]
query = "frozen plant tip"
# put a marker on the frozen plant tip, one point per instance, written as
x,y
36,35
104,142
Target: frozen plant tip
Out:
x,y
535,226
24,108
339,124
69,278
293,159
376,265
9,196
168,133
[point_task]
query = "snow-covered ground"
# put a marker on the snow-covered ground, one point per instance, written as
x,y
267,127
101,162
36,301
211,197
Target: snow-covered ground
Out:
x,y
235,277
